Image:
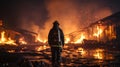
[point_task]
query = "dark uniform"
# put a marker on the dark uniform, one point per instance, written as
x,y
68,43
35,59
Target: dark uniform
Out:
x,y
56,42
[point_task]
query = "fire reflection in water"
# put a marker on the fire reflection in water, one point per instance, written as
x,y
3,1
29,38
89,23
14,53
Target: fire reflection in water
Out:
x,y
80,52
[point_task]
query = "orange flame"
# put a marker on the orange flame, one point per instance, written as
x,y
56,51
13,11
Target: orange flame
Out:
x,y
98,54
22,41
80,40
77,38
38,39
40,48
67,39
4,40
99,32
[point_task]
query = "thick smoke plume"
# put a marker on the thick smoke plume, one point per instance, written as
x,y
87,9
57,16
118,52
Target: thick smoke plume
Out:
x,y
38,15
74,14
65,13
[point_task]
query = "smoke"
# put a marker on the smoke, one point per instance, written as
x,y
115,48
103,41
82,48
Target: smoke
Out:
x,y
74,14
32,15
66,14
92,10
38,15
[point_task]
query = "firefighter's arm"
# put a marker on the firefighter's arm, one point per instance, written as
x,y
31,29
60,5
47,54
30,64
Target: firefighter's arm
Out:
x,y
49,37
62,37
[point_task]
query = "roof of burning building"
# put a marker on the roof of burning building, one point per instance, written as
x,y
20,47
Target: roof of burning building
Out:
x,y
112,19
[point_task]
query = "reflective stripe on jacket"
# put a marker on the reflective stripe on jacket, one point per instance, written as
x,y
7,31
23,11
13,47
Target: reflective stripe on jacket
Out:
x,y
56,46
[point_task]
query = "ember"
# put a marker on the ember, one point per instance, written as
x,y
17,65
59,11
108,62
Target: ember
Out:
x,y
40,48
99,54
22,41
81,51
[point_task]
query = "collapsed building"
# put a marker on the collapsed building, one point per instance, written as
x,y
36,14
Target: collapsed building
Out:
x,y
15,36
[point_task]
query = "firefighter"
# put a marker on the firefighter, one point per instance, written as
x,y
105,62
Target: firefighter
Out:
x,y
56,42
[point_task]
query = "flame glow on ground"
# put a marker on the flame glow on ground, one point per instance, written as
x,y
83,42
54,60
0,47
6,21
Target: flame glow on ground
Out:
x,y
40,48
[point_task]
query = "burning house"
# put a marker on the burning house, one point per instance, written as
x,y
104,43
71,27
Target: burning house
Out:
x,y
104,30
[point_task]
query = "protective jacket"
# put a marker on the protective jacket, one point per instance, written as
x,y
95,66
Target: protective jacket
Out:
x,y
56,37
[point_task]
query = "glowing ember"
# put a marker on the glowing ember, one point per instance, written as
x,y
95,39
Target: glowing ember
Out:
x,y
11,51
81,51
80,40
65,46
40,48
44,47
99,31
98,54
44,41
22,41
4,40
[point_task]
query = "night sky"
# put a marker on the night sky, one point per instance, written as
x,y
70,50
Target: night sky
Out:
x,y
14,12
30,14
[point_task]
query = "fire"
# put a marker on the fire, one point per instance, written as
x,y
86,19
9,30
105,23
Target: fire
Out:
x,y
67,40
75,39
22,41
78,37
11,51
4,40
3,37
40,48
38,39
80,40
81,51
98,54
99,32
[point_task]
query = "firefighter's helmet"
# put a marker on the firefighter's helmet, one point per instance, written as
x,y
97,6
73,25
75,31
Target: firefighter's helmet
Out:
x,y
56,23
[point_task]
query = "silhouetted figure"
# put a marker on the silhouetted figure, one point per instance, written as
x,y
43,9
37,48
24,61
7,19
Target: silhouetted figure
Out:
x,y
56,42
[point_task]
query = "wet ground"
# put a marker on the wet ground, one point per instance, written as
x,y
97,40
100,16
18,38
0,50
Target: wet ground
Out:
x,y
72,56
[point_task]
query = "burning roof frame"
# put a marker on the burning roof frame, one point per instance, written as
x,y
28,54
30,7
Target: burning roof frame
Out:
x,y
112,20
